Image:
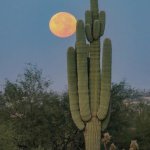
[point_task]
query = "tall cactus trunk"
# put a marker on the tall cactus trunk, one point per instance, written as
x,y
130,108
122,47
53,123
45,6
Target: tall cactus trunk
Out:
x,y
92,134
89,83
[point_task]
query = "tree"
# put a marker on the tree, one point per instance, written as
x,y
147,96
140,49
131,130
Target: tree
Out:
x,y
142,125
33,117
38,116
121,119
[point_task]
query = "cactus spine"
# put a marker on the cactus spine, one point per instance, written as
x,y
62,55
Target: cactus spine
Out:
x,y
89,86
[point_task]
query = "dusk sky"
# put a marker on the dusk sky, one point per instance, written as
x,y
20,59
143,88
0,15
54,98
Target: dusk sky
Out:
x,y
25,38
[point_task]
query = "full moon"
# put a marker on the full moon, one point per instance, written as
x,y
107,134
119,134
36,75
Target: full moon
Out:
x,y
63,24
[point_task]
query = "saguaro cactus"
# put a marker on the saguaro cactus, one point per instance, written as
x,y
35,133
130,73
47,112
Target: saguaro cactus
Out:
x,y
89,86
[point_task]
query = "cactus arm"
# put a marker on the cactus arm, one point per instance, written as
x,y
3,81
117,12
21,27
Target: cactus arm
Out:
x,y
105,80
105,122
102,21
96,29
88,25
82,69
72,86
80,33
88,32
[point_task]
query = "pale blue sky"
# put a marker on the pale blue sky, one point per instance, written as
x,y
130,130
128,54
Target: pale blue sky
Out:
x,y
25,37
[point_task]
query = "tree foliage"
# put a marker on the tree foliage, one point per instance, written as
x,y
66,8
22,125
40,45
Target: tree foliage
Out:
x,y
34,117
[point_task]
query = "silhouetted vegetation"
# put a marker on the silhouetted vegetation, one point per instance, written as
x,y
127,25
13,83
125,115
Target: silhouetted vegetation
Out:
x,y
34,117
